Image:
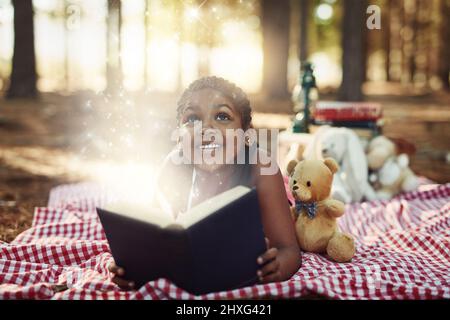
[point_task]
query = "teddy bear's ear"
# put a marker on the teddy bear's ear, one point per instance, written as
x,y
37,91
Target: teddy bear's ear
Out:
x,y
291,165
331,164
403,160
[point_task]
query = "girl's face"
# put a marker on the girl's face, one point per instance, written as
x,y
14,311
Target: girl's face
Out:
x,y
216,114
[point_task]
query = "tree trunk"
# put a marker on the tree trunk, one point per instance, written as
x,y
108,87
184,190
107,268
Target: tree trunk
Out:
x,y
275,26
304,8
386,27
353,56
114,65
395,42
444,65
412,54
23,75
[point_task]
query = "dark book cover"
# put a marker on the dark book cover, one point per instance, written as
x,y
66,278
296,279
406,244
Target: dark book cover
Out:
x,y
216,253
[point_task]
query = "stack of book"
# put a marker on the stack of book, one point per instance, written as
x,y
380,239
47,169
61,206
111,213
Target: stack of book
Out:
x,y
365,118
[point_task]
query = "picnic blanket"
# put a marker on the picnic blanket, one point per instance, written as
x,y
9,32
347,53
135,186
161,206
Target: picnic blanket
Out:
x,y
403,252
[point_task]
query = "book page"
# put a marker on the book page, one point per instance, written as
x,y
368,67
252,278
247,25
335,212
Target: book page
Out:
x,y
146,212
211,205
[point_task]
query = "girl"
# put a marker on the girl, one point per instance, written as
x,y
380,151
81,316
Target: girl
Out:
x,y
219,105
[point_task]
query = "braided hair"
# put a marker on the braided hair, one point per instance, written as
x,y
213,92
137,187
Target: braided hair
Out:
x,y
225,87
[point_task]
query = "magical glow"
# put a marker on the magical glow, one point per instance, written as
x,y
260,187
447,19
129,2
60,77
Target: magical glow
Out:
x,y
164,59
192,13
240,59
324,11
133,44
230,62
136,181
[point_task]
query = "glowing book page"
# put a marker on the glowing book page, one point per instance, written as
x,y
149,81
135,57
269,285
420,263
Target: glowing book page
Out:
x,y
211,205
157,216
142,212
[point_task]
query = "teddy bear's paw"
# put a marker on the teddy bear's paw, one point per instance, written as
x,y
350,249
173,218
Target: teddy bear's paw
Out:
x,y
334,207
341,247
411,183
384,195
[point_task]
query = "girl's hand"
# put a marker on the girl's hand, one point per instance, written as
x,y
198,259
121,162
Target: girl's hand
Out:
x,y
270,272
117,278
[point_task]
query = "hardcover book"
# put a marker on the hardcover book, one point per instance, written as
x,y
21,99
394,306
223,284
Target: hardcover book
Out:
x,y
212,247
347,111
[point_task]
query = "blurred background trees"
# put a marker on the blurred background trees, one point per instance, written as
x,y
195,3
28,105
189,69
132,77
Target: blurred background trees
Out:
x,y
23,76
163,45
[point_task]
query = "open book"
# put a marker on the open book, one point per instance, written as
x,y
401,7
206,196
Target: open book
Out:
x,y
212,247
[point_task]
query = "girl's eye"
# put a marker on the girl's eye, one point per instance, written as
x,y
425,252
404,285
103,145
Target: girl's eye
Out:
x,y
222,117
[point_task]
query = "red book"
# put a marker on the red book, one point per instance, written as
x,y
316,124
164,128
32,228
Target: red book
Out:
x,y
346,111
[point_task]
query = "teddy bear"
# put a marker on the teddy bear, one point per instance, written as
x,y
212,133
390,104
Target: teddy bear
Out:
x,y
394,177
388,162
382,148
378,151
315,213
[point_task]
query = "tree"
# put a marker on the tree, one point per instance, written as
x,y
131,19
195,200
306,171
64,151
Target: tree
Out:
x,y
23,76
275,26
304,10
444,52
353,70
386,21
114,63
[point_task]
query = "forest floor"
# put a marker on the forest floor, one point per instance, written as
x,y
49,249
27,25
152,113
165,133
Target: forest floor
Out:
x,y
51,141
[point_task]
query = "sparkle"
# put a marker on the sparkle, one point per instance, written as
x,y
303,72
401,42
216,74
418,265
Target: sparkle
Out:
x,y
193,13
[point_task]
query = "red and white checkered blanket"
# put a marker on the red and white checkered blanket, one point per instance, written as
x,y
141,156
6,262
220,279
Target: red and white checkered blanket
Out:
x,y
403,252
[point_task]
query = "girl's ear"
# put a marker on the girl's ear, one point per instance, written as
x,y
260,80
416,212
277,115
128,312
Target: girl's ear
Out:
x,y
291,165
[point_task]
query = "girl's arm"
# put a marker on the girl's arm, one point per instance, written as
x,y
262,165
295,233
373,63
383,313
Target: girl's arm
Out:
x,y
283,257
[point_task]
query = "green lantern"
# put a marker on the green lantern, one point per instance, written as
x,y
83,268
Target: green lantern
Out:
x,y
304,97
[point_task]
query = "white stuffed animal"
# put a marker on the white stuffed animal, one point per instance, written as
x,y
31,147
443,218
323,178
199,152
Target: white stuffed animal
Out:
x,y
350,183
394,177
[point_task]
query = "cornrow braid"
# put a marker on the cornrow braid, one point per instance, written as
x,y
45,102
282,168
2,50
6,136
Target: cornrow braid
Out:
x,y
227,88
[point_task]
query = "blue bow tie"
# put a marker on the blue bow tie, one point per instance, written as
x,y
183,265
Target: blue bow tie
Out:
x,y
310,208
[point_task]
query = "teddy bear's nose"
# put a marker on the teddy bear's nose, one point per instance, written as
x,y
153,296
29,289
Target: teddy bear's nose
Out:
x,y
295,187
